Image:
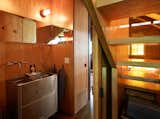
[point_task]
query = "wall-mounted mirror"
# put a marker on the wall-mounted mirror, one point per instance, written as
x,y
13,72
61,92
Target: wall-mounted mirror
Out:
x,y
15,28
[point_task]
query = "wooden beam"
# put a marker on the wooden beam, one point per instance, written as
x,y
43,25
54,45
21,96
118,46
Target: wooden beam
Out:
x,y
97,56
114,93
154,25
98,27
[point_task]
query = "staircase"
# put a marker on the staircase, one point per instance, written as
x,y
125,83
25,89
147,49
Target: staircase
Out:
x,y
128,33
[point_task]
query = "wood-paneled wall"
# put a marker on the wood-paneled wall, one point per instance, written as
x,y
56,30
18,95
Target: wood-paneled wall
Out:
x,y
26,8
62,10
17,29
21,52
10,27
80,55
60,52
2,76
44,57
47,33
117,34
62,13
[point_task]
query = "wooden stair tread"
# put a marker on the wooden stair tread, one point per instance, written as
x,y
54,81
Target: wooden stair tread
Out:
x,y
140,84
127,41
140,62
145,79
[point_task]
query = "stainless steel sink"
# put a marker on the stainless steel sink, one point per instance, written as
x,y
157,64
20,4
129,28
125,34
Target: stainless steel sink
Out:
x,y
26,79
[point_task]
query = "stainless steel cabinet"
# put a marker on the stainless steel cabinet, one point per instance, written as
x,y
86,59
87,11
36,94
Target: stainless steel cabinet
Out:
x,y
35,99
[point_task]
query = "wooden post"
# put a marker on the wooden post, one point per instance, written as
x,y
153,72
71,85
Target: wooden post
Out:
x,y
96,75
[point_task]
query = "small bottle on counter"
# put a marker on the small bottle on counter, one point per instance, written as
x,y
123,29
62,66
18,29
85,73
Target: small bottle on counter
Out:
x,y
54,69
32,68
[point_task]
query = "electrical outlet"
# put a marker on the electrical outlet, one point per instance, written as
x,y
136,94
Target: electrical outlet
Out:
x,y
66,60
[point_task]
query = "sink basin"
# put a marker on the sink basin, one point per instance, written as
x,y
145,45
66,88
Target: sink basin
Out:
x,y
25,80
33,74
29,77
37,75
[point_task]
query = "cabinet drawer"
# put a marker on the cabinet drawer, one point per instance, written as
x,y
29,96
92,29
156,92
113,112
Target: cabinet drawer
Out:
x,y
42,109
38,89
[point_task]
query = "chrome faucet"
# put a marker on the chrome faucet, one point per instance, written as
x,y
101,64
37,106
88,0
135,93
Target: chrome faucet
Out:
x,y
19,63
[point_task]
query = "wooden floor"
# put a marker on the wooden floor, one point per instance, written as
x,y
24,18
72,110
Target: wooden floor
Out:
x,y
85,113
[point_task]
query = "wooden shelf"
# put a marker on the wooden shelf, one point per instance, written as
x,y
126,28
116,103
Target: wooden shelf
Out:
x,y
140,63
127,41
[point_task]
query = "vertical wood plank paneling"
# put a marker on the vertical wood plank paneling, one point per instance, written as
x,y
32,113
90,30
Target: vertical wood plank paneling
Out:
x,y
62,10
62,13
47,33
80,55
98,24
26,8
2,75
61,51
43,56
10,27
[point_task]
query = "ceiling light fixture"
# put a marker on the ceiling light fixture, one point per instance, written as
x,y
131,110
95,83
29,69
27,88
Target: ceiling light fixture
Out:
x,y
45,12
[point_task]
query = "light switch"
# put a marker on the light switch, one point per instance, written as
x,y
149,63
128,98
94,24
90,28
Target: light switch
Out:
x,y
66,60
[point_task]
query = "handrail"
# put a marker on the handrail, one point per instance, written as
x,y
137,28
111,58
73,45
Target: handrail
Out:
x,y
98,27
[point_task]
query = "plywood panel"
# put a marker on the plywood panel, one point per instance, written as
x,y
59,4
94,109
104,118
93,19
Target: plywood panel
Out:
x,y
26,8
2,75
61,51
44,57
100,3
10,27
25,53
113,32
128,8
47,33
152,52
80,55
62,11
120,53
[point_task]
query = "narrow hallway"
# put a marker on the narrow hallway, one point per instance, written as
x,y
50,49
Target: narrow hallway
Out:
x,y
85,113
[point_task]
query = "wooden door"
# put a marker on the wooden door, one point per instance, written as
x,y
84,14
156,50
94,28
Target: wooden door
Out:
x,y
80,55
